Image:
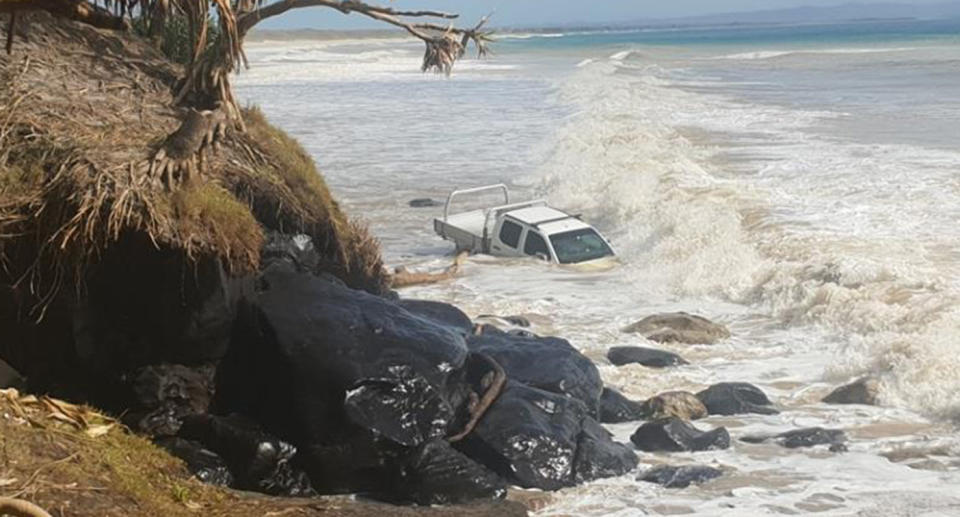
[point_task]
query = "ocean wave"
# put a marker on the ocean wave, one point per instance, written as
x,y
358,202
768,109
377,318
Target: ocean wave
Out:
x,y
531,35
810,240
770,54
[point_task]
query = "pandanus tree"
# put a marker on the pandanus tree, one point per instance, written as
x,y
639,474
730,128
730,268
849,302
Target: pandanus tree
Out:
x,y
216,30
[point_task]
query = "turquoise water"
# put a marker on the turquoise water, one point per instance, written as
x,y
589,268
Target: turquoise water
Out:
x,y
947,31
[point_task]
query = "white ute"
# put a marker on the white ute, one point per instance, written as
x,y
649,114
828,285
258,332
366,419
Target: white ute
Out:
x,y
519,229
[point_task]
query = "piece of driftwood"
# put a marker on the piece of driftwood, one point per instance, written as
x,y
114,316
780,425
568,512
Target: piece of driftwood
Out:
x,y
402,277
494,388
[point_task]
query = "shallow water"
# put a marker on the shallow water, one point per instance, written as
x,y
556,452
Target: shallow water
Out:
x,y
797,184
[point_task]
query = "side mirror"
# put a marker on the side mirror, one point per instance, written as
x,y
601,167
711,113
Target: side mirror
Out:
x,y
543,256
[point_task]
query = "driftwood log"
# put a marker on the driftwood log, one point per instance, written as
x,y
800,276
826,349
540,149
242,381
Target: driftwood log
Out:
x,y
402,277
493,382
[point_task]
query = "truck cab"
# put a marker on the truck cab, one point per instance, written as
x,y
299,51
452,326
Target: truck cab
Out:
x,y
548,234
530,228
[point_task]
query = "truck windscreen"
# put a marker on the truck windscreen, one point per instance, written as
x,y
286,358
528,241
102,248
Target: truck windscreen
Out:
x,y
579,246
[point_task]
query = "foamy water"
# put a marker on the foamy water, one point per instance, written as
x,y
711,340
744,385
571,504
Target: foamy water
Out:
x,y
802,189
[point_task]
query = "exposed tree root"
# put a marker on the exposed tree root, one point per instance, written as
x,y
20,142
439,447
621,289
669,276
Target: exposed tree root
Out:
x,y
180,159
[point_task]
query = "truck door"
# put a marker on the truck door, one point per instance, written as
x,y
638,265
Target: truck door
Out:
x,y
507,241
536,246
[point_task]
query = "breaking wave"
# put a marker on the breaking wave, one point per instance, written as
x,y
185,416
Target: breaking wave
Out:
x,y
770,54
803,230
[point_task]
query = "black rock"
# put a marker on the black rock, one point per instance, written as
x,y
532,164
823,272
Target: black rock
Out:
x,y
181,312
436,473
257,460
166,393
424,202
615,408
347,377
547,363
519,321
598,456
10,378
621,355
529,437
294,251
675,435
732,398
203,463
395,405
807,437
538,439
681,476
522,333
442,313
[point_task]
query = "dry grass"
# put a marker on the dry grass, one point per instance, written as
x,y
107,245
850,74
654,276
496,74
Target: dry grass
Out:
x,y
77,132
63,468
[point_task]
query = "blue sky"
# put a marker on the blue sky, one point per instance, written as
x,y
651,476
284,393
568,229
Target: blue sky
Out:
x,y
551,12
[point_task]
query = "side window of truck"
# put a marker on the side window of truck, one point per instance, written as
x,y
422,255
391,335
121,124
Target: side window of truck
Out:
x,y
535,245
510,234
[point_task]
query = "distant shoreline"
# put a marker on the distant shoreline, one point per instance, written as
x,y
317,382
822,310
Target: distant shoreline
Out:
x,y
289,35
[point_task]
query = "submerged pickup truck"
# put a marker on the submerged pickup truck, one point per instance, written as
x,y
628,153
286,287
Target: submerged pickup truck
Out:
x,y
519,229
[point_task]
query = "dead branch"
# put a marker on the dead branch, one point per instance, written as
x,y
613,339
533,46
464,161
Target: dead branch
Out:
x,y
494,388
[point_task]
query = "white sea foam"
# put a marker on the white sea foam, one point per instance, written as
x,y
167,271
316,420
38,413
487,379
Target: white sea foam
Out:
x,y
770,54
813,241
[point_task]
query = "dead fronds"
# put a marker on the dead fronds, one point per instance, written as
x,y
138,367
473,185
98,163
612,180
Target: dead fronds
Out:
x,y
46,412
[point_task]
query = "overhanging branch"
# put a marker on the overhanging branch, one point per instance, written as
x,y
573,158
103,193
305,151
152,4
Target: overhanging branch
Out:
x,y
384,14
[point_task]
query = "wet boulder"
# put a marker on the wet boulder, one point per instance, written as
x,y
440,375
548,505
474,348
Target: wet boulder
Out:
x,y
436,473
679,327
538,439
679,476
424,202
296,252
679,404
439,312
733,398
616,408
599,456
165,394
651,357
203,463
181,312
529,436
339,372
861,391
807,437
505,321
547,363
257,461
10,378
395,405
675,435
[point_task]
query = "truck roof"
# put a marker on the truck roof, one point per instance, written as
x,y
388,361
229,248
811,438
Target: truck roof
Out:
x,y
550,220
537,214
